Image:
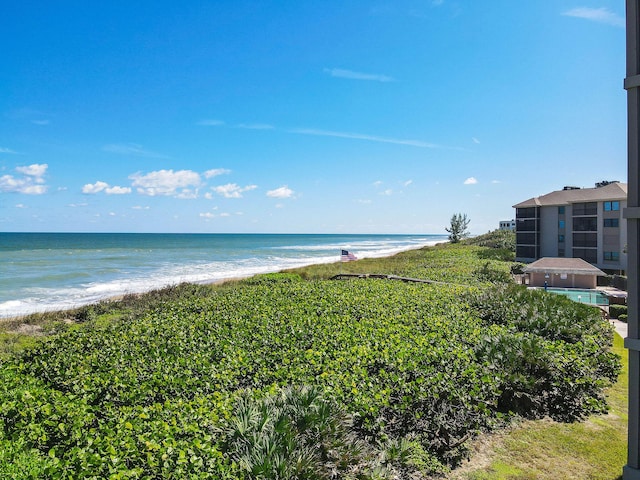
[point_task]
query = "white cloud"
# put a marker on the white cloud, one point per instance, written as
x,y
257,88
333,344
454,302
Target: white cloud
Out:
x,y
495,181
187,194
233,190
351,75
600,15
377,183
165,182
34,190
359,136
364,201
131,149
210,215
30,183
387,192
140,207
281,192
475,140
40,122
407,183
21,205
470,181
35,170
93,188
90,189
214,172
117,190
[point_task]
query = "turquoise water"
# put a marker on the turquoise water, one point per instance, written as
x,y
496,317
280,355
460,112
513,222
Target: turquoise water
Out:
x,y
45,271
591,297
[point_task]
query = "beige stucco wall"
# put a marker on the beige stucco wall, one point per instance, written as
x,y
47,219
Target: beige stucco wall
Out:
x,y
557,280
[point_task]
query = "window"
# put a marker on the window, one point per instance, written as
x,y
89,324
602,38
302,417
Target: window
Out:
x,y
611,206
530,212
527,226
585,224
526,238
561,224
612,256
611,222
560,238
525,251
585,239
587,254
588,208
561,210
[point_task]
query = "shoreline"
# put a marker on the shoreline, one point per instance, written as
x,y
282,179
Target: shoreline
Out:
x,y
218,281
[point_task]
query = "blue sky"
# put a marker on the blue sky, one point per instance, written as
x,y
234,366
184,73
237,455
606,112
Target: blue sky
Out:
x,y
303,117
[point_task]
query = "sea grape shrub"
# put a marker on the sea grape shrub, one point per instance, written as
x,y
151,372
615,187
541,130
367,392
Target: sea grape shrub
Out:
x,y
418,368
493,272
551,355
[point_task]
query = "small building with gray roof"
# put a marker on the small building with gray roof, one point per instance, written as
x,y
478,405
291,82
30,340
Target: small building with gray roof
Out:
x,y
563,273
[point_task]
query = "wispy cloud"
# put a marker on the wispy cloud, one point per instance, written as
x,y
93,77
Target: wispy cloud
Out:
x,y
30,182
8,151
360,136
131,149
233,190
351,75
214,172
281,192
471,181
41,122
210,215
167,183
475,140
600,15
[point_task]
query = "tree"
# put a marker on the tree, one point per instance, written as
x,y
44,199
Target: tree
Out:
x,y
458,229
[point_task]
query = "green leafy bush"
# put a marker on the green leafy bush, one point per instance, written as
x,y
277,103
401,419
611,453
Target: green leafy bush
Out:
x,y
616,310
397,376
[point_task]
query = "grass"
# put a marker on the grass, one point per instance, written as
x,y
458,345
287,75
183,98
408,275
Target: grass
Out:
x,y
594,449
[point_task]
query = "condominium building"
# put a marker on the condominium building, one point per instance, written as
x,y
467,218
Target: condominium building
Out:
x,y
575,222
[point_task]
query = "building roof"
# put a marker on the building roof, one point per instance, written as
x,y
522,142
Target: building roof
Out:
x,y
612,191
575,266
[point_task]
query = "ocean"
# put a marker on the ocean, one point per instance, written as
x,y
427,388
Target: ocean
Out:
x,y
54,271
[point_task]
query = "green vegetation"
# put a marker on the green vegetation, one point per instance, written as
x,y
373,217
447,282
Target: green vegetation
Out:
x,y
459,228
616,310
292,375
595,448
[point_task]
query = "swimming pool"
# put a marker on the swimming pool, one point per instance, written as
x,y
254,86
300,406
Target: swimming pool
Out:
x,y
590,297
